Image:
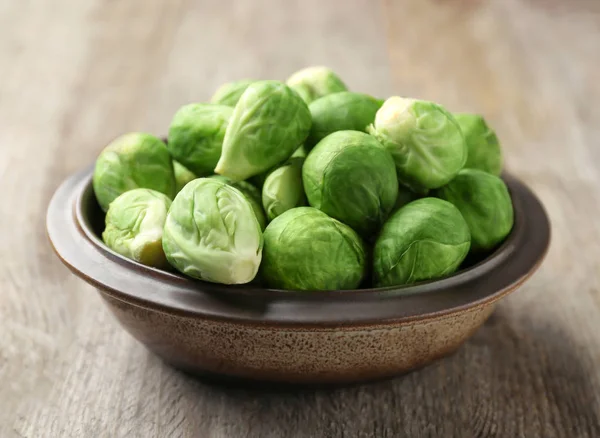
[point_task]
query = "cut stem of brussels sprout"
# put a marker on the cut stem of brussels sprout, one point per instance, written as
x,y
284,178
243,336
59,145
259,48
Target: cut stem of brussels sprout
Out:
x,y
268,124
307,250
425,140
196,136
485,203
132,161
134,226
482,143
212,233
312,83
424,240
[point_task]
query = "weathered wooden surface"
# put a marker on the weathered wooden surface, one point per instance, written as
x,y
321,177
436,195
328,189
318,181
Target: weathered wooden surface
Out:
x,y
74,74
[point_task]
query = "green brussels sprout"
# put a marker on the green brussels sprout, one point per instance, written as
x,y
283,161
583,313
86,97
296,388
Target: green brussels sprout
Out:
x,y
196,136
211,233
307,250
229,93
482,143
312,83
132,161
268,124
424,240
134,226
352,178
485,203
182,175
425,140
253,195
283,189
340,112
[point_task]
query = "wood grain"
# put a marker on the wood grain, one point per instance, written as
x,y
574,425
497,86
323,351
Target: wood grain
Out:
x,y
74,74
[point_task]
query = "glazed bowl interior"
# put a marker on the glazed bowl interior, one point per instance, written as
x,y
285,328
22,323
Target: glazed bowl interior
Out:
x,y
75,223
91,219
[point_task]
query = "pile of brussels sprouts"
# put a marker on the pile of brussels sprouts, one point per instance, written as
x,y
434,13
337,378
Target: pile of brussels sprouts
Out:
x,y
304,185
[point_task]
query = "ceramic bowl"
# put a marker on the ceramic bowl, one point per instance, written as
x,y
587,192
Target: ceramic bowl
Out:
x,y
294,337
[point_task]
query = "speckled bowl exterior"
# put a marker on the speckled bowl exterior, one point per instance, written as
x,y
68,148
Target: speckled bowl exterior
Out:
x,y
297,354
295,337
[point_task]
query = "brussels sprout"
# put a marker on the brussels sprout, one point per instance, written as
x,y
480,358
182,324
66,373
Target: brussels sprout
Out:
x,y
485,203
212,233
253,195
229,93
426,239
134,226
196,136
425,140
283,188
307,250
314,82
482,143
352,178
268,124
340,112
134,160
182,175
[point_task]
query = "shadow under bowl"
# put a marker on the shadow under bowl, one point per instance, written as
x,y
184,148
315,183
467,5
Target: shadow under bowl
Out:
x,y
296,337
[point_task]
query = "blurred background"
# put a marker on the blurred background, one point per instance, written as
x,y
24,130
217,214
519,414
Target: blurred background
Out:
x,y
76,74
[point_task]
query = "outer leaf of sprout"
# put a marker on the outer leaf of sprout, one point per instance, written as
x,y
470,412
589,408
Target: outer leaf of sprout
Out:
x,y
314,82
229,93
134,160
483,145
253,195
341,111
182,175
425,140
268,124
424,240
134,226
211,233
351,177
307,250
485,203
283,189
196,136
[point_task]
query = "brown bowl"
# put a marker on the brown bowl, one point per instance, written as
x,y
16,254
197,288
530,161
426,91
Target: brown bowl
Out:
x,y
292,336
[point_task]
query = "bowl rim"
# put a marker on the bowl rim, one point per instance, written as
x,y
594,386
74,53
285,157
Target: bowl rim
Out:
x,y
84,253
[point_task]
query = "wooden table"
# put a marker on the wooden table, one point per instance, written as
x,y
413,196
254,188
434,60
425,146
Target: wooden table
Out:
x,y
76,73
